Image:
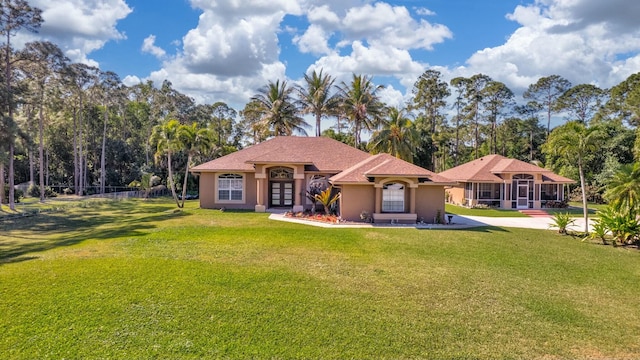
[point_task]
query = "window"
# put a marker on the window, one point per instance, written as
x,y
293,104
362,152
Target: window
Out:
x,y
281,173
230,187
549,192
393,198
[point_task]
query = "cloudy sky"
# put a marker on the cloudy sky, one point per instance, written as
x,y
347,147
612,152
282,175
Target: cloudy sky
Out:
x,y
224,50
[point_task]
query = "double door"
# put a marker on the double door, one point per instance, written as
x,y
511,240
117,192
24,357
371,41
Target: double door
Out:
x,y
281,194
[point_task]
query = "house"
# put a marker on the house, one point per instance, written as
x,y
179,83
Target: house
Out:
x,y
277,173
497,181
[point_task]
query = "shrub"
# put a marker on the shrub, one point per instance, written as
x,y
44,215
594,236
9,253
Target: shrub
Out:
x,y
594,194
562,222
624,227
18,195
553,204
599,231
327,199
34,191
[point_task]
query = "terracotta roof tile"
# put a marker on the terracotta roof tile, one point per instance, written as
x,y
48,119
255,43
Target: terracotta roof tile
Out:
x,y
384,165
325,154
488,168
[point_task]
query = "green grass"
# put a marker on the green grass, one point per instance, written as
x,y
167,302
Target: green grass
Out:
x,y
490,212
136,279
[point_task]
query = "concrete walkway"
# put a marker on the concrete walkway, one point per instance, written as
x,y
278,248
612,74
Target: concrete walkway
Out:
x,y
533,222
457,222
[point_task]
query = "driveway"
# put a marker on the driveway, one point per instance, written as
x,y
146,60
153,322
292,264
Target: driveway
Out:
x,y
533,222
457,222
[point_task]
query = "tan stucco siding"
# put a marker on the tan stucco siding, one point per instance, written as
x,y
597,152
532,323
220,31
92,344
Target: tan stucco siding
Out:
x,y
456,194
208,192
429,202
355,199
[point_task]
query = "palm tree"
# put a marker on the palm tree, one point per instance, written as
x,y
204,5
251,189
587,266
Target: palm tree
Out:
x,y
195,141
623,191
316,97
167,140
279,109
361,104
398,136
574,141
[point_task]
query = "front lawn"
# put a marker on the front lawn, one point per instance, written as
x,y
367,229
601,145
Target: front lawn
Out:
x,y
137,279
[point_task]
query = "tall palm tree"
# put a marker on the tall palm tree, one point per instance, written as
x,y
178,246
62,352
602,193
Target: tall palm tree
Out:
x,y
574,141
397,137
317,98
623,191
167,139
279,109
361,104
194,140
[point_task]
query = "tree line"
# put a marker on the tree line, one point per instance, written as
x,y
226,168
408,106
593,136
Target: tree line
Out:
x,y
75,125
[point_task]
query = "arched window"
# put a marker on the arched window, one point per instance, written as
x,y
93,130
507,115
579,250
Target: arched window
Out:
x,y
393,197
230,187
281,173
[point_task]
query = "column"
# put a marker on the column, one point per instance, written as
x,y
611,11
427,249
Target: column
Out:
x,y
412,200
297,188
260,207
378,200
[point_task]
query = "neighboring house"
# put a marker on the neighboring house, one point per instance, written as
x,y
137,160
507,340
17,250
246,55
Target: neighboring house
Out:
x,y
497,181
277,173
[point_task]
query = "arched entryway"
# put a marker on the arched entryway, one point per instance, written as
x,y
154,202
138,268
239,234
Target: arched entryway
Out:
x,y
281,187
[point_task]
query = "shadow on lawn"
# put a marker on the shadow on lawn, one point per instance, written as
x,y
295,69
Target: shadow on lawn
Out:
x,y
475,228
45,231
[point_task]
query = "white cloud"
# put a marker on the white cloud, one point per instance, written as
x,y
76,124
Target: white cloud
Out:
x,y
380,38
424,12
148,45
577,39
389,25
131,80
314,40
79,27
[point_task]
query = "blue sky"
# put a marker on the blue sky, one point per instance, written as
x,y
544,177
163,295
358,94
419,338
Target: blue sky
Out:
x,y
224,50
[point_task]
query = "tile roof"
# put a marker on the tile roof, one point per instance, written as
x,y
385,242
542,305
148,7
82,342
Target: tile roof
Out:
x,y
488,168
385,165
321,153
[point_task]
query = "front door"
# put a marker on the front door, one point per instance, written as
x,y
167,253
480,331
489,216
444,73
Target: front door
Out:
x,y
523,196
281,194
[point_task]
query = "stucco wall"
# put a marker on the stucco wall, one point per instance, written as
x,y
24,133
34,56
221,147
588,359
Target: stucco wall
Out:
x,y
208,192
429,201
456,194
355,199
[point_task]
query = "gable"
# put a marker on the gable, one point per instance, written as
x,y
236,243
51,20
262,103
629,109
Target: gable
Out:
x,y
318,153
490,168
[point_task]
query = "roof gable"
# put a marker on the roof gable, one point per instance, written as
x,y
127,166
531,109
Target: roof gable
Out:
x,y
488,169
385,165
323,153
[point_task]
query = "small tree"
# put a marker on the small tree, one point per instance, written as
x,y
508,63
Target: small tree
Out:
x,y
327,199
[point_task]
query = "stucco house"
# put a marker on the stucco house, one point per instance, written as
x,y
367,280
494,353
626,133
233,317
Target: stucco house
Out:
x,y
497,181
277,173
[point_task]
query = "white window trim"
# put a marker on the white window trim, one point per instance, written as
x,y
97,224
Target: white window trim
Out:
x,y
244,189
394,190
